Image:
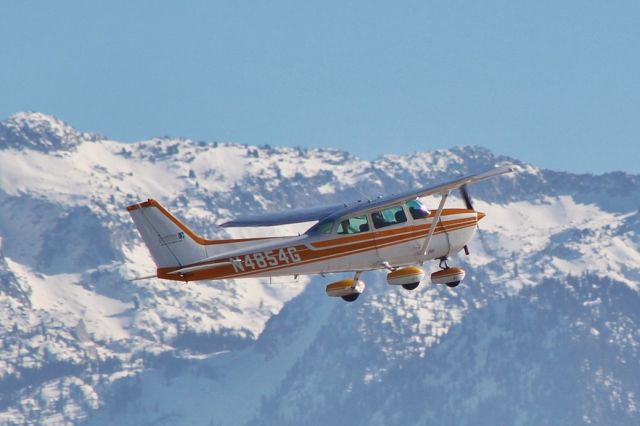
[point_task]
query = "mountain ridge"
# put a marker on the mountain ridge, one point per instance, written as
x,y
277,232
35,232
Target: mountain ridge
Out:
x,y
82,343
41,132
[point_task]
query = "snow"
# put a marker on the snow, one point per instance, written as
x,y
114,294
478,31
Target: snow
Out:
x,y
327,189
243,378
86,309
534,223
105,318
228,162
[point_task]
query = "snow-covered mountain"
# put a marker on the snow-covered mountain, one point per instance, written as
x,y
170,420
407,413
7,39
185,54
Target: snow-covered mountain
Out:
x,y
545,330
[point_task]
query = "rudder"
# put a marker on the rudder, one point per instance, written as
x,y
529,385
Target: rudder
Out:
x,y
171,243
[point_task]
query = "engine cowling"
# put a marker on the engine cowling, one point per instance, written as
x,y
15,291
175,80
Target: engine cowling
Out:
x,y
448,276
408,276
345,288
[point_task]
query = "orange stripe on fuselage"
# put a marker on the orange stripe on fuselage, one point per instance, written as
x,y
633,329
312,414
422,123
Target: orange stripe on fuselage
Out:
x,y
227,272
367,236
363,243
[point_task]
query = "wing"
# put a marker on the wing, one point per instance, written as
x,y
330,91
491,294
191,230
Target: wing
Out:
x,y
285,217
339,210
443,188
383,202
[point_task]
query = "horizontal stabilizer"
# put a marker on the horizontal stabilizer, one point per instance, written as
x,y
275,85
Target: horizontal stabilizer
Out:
x,y
199,267
144,278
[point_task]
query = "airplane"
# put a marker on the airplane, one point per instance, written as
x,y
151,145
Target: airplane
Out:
x,y
395,233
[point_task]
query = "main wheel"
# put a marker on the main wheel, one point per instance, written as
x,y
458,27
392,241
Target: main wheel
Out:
x,y
453,284
351,297
411,286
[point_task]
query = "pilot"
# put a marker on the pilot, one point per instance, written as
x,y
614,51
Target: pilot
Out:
x,y
400,216
378,220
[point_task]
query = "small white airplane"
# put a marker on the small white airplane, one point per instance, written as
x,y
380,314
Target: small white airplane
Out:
x,y
396,233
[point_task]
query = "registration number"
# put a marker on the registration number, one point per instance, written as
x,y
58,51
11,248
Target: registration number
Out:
x,y
265,259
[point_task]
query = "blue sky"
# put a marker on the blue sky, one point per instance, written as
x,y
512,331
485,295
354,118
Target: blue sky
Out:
x,y
554,83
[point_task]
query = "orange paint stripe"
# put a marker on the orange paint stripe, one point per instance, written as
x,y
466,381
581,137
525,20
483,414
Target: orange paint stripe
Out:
x,y
197,238
344,240
346,283
320,244
378,235
208,274
445,273
340,253
404,273
310,256
448,212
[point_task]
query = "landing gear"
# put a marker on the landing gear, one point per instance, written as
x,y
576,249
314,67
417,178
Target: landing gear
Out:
x,y
408,277
351,297
450,284
451,276
348,289
411,286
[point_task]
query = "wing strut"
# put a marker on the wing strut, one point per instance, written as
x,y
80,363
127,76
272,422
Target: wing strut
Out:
x,y
434,223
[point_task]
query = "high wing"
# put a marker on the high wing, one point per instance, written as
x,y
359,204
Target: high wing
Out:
x,y
442,188
283,218
339,210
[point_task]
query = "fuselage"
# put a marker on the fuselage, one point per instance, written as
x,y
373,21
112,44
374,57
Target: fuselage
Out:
x,y
392,245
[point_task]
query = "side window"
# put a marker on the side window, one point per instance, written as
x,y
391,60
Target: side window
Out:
x,y
388,217
354,225
321,228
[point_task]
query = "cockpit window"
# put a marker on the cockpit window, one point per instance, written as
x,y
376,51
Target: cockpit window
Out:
x,y
417,209
323,227
388,217
354,225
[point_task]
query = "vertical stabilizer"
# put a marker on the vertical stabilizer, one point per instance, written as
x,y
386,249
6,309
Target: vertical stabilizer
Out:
x,y
171,243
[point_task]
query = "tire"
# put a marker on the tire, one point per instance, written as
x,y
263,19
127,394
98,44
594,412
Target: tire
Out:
x,y
351,297
453,284
411,286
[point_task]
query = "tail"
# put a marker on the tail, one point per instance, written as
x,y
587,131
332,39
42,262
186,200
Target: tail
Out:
x,y
171,243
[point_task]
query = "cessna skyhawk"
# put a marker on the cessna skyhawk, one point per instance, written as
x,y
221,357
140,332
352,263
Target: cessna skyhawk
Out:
x,y
397,233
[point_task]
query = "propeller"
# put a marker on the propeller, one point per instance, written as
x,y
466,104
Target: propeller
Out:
x,y
467,198
464,191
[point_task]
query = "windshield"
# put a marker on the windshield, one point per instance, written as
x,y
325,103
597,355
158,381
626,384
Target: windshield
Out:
x,y
323,227
417,209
